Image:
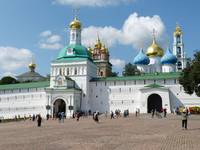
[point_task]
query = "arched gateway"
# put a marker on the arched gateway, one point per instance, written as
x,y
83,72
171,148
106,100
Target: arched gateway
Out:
x,y
154,101
59,106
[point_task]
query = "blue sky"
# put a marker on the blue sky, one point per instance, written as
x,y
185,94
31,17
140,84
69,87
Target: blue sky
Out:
x,y
23,24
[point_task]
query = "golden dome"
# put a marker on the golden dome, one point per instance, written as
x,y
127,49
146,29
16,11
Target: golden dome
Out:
x,y
32,66
75,24
98,44
104,49
178,31
154,50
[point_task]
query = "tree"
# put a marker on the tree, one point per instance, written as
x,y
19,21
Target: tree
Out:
x,y
114,74
190,77
8,80
130,70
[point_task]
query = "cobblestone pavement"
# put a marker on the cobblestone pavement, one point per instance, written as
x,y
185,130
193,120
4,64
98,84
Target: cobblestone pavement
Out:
x,y
141,133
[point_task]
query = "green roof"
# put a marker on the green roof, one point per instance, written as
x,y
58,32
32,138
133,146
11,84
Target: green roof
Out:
x,y
77,51
70,59
25,85
154,76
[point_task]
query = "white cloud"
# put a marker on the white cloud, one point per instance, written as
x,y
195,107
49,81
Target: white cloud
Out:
x,y
136,31
109,35
50,41
12,58
46,33
91,3
117,63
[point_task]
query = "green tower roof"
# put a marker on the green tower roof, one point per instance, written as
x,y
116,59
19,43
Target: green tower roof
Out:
x,y
72,51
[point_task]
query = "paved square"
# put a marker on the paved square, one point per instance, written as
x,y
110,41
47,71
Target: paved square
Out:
x,y
142,133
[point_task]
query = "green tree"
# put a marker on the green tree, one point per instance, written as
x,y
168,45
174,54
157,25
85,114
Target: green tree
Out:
x,y
8,80
114,74
130,70
190,77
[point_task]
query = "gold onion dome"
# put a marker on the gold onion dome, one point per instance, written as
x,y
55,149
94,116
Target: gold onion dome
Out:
x,y
104,49
98,44
154,50
178,31
32,66
75,24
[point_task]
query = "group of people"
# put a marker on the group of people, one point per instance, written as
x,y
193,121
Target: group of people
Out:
x,y
159,113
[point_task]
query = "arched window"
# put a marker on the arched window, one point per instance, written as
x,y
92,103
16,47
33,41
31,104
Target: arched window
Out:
x,y
178,39
73,36
75,71
67,71
179,51
179,64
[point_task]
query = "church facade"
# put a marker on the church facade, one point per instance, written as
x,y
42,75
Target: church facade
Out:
x,y
79,81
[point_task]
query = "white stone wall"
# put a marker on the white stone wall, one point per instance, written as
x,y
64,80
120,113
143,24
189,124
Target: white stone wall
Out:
x,y
23,102
111,95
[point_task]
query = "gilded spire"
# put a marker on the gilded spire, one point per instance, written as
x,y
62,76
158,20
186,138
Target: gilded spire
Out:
x,y
75,24
178,30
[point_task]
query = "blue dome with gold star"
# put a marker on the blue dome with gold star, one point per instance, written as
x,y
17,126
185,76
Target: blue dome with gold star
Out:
x,y
141,59
168,58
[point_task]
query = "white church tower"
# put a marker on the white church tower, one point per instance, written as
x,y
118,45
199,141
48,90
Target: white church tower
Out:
x,y
178,49
75,32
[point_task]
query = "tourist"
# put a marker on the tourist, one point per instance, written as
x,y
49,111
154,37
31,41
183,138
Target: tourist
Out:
x,y
152,113
165,112
96,116
184,119
62,114
112,115
33,118
47,116
39,120
78,116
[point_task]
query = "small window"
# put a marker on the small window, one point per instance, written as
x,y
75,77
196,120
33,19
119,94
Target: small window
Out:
x,y
75,71
114,83
144,81
96,83
67,71
105,83
124,82
120,90
129,89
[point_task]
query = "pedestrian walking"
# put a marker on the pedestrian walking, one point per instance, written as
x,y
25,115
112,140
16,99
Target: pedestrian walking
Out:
x,y
165,112
112,115
39,120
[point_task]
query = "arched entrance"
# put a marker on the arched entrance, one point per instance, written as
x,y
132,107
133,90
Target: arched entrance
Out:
x,y
154,101
59,106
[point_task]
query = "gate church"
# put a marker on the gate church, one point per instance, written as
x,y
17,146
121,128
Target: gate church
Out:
x,y
79,81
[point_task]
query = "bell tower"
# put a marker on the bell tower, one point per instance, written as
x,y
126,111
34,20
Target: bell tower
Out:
x,y
178,48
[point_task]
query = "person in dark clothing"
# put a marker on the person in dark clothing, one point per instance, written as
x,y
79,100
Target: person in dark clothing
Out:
x,y
39,120
165,112
112,115
152,113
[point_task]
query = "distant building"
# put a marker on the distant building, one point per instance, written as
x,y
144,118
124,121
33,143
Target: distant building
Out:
x,y
30,76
